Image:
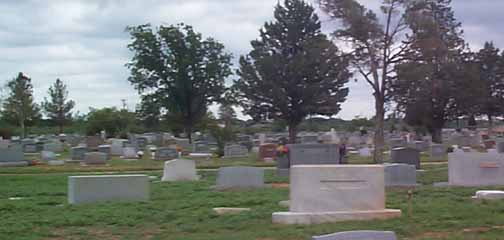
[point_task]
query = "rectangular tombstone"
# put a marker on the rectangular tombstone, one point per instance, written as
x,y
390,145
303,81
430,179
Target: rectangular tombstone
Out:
x,y
92,142
116,146
179,170
13,153
4,144
100,188
95,158
235,150
30,147
397,142
283,165
500,146
438,152
78,153
331,188
405,155
129,153
53,147
332,193
240,177
201,147
365,152
400,175
47,156
165,153
317,154
358,235
105,149
267,151
475,169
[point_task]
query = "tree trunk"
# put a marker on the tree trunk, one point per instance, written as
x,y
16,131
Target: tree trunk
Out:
x,y
490,122
379,136
188,131
437,135
23,128
437,130
60,128
292,133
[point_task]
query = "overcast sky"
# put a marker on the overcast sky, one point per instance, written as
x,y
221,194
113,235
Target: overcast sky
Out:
x,y
83,42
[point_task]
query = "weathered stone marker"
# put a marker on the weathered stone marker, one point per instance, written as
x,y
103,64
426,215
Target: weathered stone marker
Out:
x,y
99,188
332,193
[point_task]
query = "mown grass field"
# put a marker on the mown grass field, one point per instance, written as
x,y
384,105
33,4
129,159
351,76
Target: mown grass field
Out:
x,y
184,210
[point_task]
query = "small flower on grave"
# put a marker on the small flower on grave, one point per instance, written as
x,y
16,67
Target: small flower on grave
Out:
x,y
179,148
282,150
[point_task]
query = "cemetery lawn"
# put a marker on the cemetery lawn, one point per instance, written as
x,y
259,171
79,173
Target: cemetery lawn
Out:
x,y
183,211
117,164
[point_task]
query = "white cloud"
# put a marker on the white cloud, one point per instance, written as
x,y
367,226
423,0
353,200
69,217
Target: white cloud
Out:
x,y
83,41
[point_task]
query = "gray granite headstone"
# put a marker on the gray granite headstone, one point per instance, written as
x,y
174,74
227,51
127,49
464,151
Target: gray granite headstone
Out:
x,y
47,156
53,147
165,153
358,235
235,150
500,146
201,147
78,153
282,165
105,149
313,154
92,158
438,152
406,155
400,175
129,153
13,153
397,142
30,147
240,177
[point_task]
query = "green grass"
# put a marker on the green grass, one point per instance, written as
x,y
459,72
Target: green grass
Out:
x,y
183,211
147,164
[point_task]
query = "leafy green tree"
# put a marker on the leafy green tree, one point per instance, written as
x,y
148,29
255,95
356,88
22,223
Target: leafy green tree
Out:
x,y
19,107
114,122
491,77
431,80
376,48
177,71
59,108
293,70
149,113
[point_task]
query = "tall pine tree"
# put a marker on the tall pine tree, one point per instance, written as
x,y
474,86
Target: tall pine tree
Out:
x,y
59,108
430,82
293,70
19,106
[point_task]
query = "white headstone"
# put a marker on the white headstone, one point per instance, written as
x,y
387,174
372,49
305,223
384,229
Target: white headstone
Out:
x,y
179,170
331,193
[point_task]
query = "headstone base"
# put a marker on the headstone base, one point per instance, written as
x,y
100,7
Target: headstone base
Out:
x,y
56,162
14,164
282,172
308,218
489,195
